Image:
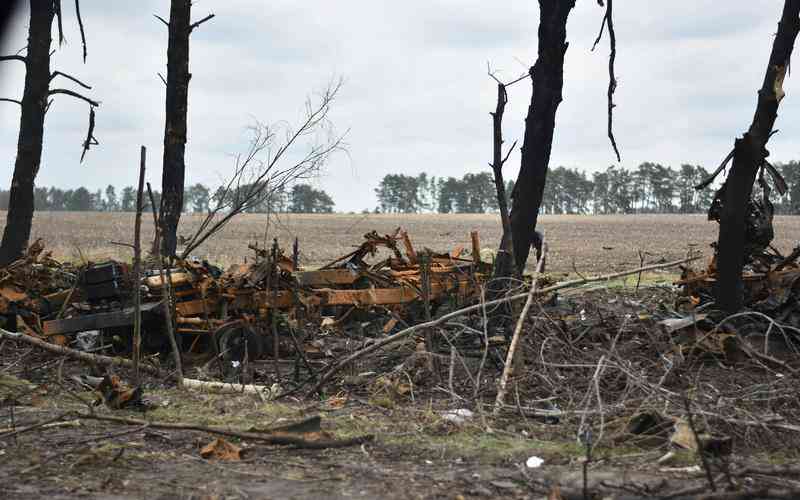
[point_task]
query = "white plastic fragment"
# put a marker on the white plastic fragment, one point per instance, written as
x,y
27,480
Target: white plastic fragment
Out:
x,y
458,416
534,462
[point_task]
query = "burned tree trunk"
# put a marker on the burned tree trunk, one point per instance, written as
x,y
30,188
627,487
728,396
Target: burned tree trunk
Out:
x,y
174,165
34,104
547,76
180,28
504,265
749,155
31,132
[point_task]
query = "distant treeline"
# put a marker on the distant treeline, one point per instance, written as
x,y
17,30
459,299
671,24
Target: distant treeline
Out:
x,y
649,188
302,198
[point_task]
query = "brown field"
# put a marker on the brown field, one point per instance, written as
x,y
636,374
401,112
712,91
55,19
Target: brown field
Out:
x,y
593,243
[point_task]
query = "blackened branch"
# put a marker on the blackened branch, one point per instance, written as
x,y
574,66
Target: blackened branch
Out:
x,y
80,26
508,153
198,23
162,20
5,99
608,20
612,79
57,8
90,138
69,77
716,172
73,94
600,34
14,58
162,78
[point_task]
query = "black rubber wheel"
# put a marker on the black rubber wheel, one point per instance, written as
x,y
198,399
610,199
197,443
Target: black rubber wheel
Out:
x,y
237,338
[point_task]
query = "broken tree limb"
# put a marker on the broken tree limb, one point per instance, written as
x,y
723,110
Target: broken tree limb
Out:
x,y
86,357
443,319
226,388
137,271
501,390
277,437
166,281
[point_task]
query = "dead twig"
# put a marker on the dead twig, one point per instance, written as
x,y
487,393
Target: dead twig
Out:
x,y
277,437
86,357
501,391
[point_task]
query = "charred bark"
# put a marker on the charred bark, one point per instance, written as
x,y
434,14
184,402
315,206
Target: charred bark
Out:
x,y
547,76
174,164
504,265
749,155
31,132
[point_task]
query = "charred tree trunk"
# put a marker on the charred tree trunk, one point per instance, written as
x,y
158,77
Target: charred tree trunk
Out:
x,y
174,165
31,132
547,76
749,155
504,265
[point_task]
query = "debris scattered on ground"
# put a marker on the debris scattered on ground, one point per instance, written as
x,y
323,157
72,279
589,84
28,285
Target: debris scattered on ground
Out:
x,y
220,449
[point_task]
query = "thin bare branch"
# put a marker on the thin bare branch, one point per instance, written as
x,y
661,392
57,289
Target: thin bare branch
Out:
x,y
162,20
254,179
608,20
80,27
612,79
15,57
57,8
5,99
90,138
74,94
198,23
162,78
69,77
716,172
508,153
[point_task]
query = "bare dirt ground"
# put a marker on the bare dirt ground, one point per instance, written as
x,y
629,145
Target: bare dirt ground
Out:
x,y
594,243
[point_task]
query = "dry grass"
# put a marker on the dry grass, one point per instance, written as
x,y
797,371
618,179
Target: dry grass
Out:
x,y
593,243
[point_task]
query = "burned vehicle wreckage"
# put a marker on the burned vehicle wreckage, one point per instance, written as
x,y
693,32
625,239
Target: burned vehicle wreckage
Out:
x,y
247,311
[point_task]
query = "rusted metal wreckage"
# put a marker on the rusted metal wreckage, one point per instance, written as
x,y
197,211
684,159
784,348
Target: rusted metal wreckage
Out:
x,y
242,310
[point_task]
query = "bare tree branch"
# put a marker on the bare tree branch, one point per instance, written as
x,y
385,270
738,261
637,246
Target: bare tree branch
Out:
x,y
90,139
80,26
69,77
162,78
57,8
254,179
16,57
503,162
198,23
162,20
73,94
5,99
608,20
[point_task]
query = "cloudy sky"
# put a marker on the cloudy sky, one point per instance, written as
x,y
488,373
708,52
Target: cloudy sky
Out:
x,y
416,95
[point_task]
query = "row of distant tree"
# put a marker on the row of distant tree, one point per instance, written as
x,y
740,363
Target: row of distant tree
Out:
x,y
302,198
649,188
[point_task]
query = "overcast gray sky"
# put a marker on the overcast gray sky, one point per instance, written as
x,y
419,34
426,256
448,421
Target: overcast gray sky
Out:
x,y
416,95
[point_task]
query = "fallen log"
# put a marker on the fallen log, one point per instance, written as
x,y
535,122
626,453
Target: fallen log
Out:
x,y
442,319
227,388
97,359
276,437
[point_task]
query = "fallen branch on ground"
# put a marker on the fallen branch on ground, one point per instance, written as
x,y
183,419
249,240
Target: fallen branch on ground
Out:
x,y
276,437
226,388
86,357
501,390
442,319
